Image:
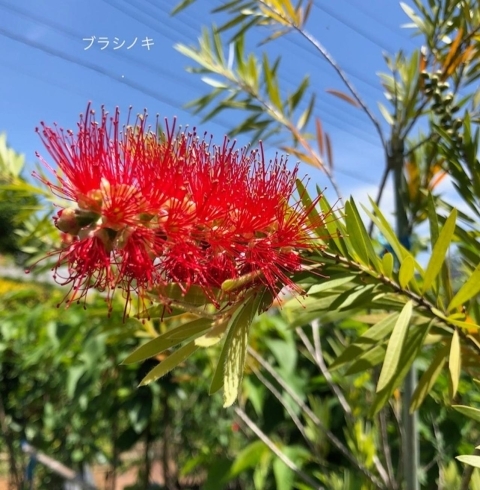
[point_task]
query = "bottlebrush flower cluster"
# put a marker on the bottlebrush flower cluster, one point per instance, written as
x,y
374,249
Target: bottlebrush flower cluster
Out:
x,y
151,209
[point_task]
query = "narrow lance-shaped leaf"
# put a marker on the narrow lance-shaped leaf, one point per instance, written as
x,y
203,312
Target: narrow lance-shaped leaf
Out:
x,y
407,271
469,290
171,362
395,346
411,348
429,378
439,250
369,339
343,96
470,460
168,340
473,413
454,363
237,342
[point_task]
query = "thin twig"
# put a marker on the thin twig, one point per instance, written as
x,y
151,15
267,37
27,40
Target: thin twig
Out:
x,y
271,445
381,188
317,355
287,407
333,439
328,57
386,447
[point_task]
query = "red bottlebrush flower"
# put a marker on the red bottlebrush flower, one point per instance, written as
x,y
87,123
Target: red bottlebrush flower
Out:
x,y
155,209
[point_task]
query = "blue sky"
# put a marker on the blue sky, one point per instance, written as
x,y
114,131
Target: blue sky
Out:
x,y
49,75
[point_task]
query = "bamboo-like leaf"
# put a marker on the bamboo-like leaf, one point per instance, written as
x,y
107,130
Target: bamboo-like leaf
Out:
x,y
313,215
470,460
237,341
439,251
320,138
168,340
171,362
395,346
330,285
455,363
213,335
305,116
329,151
469,290
218,376
387,262
367,360
371,337
387,116
271,83
385,229
407,271
343,96
361,231
470,412
429,378
412,346
355,234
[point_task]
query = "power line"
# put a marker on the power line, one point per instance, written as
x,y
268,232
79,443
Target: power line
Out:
x,y
377,19
353,27
104,72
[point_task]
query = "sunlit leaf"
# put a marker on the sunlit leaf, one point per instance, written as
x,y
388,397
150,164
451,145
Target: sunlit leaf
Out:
x,y
429,377
469,290
454,363
470,460
168,340
171,362
439,251
473,413
395,346
371,337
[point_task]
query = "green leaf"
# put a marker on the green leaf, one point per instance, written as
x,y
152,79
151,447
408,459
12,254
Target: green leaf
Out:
x,y
473,413
218,376
169,339
454,363
470,460
395,346
439,250
429,378
358,235
387,261
248,457
305,116
469,290
407,271
172,361
387,116
368,360
332,285
313,215
370,338
412,346
213,335
237,342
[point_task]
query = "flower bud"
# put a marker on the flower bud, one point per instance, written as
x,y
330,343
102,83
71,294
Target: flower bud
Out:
x,y
66,221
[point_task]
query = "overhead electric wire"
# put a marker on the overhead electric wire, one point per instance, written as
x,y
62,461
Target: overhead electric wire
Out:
x,y
323,102
102,71
357,5
365,34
